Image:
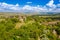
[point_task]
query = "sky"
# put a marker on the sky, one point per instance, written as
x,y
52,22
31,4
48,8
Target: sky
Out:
x,y
29,5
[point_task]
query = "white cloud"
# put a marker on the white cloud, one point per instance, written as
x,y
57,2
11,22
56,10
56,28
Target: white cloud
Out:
x,y
34,8
17,4
28,2
9,6
27,7
51,3
16,8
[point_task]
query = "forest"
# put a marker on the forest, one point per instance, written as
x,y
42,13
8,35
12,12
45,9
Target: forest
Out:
x,y
29,27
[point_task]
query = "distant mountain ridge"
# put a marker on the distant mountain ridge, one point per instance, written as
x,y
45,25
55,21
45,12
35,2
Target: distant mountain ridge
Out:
x,y
33,13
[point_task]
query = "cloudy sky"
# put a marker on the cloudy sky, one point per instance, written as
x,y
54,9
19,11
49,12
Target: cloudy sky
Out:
x,y
29,5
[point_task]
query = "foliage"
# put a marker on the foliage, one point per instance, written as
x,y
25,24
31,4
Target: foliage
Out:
x,y
32,29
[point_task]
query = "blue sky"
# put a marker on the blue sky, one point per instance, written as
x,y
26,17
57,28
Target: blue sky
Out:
x,y
24,2
30,5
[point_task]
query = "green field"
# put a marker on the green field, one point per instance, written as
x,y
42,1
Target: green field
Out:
x,y
15,26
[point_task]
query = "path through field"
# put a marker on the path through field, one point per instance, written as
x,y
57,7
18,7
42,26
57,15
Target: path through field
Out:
x,y
18,25
52,22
